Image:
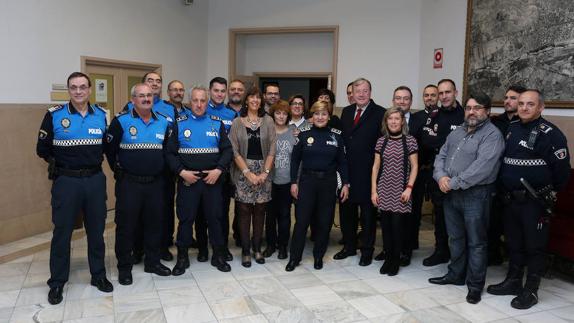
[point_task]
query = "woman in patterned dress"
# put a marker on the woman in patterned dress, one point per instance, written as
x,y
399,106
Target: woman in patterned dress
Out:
x,y
393,176
253,138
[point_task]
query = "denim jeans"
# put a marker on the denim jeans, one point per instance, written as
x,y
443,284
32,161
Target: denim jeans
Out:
x,y
467,214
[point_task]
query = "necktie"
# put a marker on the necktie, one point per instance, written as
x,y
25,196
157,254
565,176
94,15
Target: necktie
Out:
x,y
358,116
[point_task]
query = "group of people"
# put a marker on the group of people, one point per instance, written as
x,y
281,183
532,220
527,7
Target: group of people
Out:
x,y
268,154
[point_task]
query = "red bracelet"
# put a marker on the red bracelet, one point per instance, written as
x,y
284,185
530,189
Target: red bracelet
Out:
x,y
409,186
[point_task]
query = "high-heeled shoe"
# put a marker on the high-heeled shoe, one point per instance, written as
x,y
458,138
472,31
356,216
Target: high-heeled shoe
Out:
x,y
259,258
246,260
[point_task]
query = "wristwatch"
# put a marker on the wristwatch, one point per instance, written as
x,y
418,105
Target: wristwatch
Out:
x,y
267,171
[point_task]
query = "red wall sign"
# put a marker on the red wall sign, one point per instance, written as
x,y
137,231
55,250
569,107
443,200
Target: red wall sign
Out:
x,y
437,58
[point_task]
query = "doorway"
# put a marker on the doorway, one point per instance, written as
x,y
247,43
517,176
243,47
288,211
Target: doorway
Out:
x,y
289,86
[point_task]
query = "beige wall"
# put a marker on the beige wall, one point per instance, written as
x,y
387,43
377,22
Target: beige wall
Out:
x,y
25,199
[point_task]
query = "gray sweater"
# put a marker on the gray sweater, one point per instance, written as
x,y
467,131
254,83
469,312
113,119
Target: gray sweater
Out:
x,y
470,159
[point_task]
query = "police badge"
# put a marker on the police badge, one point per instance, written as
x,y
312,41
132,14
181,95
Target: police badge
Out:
x,y
310,140
187,133
560,153
65,123
133,131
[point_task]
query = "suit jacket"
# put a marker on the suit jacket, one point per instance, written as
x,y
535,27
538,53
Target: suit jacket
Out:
x,y
360,141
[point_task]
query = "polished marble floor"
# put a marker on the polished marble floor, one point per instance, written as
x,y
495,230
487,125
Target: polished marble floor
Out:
x,y
341,292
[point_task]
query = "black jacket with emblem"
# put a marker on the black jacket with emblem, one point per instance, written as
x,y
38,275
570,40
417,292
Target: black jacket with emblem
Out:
x,y
536,151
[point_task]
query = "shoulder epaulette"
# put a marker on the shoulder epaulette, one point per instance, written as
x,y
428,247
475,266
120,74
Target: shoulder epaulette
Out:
x,y
100,108
55,108
169,119
544,127
306,128
181,117
121,113
214,117
337,131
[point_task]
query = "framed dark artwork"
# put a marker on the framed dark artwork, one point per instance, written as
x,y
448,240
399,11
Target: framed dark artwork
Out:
x,y
526,42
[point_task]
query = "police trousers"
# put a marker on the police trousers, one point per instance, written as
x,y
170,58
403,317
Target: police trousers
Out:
x,y
70,195
316,199
190,197
139,204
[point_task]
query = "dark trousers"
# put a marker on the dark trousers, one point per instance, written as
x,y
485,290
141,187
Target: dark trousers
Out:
x,y
421,191
200,224
316,199
395,239
526,243
169,214
251,215
349,211
278,220
440,233
70,195
139,205
496,226
196,198
467,215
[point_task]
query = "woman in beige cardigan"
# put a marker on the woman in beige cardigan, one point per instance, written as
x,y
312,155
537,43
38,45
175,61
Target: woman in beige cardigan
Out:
x,y
253,138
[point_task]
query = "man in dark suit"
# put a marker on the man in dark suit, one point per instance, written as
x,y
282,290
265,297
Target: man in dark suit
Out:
x,y
361,123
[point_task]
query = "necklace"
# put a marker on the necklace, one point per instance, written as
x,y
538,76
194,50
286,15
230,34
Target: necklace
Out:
x,y
254,124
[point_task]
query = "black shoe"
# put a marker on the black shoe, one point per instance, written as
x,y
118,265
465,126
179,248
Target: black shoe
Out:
x,y
318,263
246,261
393,267
219,263
137,257
166,255
385,267
405,260
259,258
366,260
444,280
344,254
291,265
473,296
227,256
125,278
435,259
103,284
203,255
55,295
268,252
525,300
509,286
381,256
282,253
180,266
158,269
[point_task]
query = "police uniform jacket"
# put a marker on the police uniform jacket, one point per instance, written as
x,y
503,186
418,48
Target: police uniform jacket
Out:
x,y
437,127
73,140
543,160
198,143
135,146
223,112
319,150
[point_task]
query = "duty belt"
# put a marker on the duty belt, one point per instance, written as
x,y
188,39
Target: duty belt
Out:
x,y
518,195
83,172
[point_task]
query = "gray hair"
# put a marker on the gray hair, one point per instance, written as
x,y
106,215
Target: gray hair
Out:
x,y
360,81
198,87
133,90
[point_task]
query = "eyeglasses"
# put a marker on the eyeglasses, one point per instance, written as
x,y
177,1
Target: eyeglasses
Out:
x,y
475,108
82,88
272,93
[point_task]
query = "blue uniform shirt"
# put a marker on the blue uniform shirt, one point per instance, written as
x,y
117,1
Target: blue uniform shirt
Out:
x,y
136,146
223,112
73,140
199,143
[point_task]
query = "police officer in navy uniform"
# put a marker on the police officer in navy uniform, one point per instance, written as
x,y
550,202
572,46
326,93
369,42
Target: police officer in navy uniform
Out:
x,y
216,107
199,152
321,153
135,151
70,140
434,133
536,151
